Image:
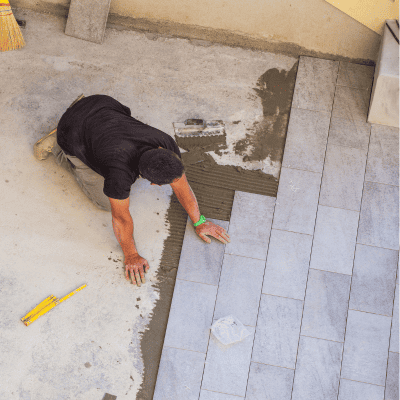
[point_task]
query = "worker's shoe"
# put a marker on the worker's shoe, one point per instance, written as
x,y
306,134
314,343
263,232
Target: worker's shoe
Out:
x,y
43,146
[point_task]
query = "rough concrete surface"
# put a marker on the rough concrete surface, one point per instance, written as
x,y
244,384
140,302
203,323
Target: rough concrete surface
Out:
x,y
54,240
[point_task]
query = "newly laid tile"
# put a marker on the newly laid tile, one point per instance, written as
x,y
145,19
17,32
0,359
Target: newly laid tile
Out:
x,y
277,332
325,306
297,200
344,132
239,289
379,219
366,347
207,395
352,390
250,225
267,382
351,105
200,261
179,375
343,177
394,332
355,75
191,315
227,367
383,155
334,240
392,380
315,84
306,140
374,280
287,264
317,370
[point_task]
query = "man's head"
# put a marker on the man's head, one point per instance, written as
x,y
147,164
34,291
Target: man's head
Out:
x,y
160,166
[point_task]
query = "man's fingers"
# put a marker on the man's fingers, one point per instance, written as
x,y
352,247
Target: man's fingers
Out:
x,y
137,276
147,266
205,238
142,275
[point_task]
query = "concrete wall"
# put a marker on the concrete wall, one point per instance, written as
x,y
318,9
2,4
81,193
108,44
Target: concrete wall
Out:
x,y
303,27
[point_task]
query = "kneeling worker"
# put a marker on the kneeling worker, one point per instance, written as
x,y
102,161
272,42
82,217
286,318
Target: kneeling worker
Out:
x,y
106,150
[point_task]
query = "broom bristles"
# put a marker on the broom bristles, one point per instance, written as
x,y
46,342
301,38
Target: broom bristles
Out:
x,y
10,34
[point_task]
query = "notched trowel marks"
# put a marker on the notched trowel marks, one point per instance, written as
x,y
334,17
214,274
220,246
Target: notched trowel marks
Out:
x,y
266,138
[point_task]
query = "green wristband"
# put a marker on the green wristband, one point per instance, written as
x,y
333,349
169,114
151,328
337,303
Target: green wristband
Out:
x,y
200,221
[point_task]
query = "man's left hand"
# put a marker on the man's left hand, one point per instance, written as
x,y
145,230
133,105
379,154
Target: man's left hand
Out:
x,y
210,229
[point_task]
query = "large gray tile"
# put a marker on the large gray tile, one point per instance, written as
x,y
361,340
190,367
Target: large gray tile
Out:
x,y
239,289
325,306
277,332
315,84
343,177
374,280
191,315
250,225
355,75
394,332
392,380
366,347
179,375
297,200
343,132
352,390
207,395
334,240
287,264
317,370
267,382
200,261
383,155
306,140
379,219
227,367
351,105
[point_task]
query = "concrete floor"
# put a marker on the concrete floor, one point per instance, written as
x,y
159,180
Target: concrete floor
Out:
x,y
54,240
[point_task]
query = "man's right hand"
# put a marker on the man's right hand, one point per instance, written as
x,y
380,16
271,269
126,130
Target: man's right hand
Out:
x,y
134,266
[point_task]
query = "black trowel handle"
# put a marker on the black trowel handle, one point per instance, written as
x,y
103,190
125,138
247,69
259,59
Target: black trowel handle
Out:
x,y
200,122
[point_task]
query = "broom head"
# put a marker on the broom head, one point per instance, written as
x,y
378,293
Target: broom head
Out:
x,y
10,34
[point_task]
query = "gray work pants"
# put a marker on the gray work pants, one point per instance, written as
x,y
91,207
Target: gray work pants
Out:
x,y
90,181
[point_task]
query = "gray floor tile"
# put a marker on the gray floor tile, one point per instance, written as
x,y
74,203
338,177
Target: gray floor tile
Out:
x,y
343,132
297,200
200,261
239,289
287,264
227,367
392,381
352,390
366,347
343,177
351,105
250,225
379,219
191,315
267,382
306,140
374,280
383,155
355,75
207,395
317,370
325,306
334,240
394,332
179,375
277,332
315,84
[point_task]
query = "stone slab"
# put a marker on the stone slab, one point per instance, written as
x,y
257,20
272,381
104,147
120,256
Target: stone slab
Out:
x,y
394,332
87,19
374,280
352,390
250,225
392,380
287,264
207,395
344,132
201,262
355,75
179,375
366,347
